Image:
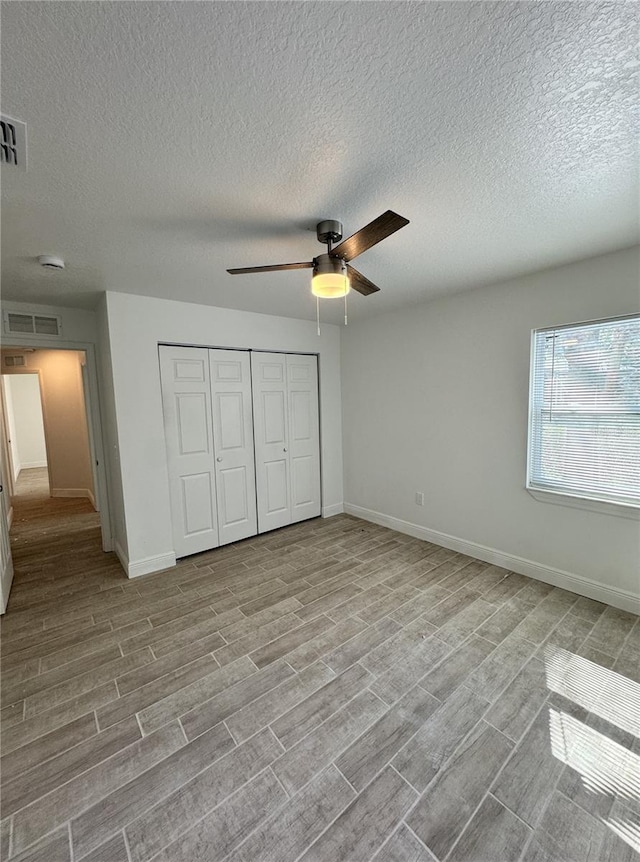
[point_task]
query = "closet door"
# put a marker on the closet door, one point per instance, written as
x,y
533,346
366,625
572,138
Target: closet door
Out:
x,y
270,423
287,439
304,436
186,396
230,373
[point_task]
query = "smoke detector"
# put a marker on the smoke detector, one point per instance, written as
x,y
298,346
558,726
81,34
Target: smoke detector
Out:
x,y
51,261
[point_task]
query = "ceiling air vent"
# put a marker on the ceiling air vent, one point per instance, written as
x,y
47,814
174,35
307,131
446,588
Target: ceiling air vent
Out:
x,y
13,142
31,324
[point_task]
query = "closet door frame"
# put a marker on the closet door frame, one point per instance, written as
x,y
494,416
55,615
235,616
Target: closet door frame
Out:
x,y
260,525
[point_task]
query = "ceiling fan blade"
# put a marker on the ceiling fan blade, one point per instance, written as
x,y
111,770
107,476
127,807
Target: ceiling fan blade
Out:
x,y
373,233
360,282
274,268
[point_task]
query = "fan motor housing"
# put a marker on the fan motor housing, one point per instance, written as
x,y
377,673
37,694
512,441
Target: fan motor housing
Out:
x,y
325,264
328,231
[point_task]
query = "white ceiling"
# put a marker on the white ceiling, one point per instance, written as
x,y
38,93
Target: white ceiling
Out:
x,y
169,141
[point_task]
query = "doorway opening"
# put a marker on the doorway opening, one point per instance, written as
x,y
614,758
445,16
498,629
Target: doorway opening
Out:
x,y
25,433
49,451
57,527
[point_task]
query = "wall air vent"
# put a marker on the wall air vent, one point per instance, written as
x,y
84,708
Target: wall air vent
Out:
x,y
13,143
12,361
32,324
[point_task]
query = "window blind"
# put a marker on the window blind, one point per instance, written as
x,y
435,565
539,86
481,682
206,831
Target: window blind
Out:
x,y
584,435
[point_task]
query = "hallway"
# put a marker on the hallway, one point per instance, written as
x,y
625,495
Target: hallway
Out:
x,y
52,538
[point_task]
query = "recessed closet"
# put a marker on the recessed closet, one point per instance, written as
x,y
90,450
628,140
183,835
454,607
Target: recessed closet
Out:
x,y
242,439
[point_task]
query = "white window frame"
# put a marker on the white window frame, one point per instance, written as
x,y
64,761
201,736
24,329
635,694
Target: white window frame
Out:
x,y
560,497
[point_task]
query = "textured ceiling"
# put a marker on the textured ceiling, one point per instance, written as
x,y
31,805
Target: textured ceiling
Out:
x,y
169,141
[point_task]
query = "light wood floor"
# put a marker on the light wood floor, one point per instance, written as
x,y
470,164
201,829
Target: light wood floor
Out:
x,y
333,691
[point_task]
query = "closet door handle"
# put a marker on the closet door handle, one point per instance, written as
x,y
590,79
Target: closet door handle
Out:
x,y
285,449
218,459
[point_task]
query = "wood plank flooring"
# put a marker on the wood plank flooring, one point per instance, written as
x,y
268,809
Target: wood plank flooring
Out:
x,y
329,692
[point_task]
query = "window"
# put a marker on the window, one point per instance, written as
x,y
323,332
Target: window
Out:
x,y
584,431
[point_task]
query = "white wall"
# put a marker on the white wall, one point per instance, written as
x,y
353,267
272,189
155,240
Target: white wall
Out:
x,y
435,399
134,327
23,393
110,432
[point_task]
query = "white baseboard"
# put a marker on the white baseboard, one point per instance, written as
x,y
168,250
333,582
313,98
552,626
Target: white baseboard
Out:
x,y
92,499
30,465
335,509
72,492
118,550
622,599
145,566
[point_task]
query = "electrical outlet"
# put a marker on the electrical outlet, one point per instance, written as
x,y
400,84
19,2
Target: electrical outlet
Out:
x,y
419,498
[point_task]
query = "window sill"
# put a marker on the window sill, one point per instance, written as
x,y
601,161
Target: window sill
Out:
x,y
619,510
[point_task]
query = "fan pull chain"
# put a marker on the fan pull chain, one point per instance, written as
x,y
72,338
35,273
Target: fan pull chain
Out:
x,y
345,309
318,313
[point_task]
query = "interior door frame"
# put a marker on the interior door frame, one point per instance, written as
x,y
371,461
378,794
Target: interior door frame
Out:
x,y
6,573
19,372
101,492
88,407
6,447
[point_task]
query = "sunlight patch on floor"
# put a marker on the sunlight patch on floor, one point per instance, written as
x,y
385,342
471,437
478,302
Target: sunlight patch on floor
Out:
x,y
601,691
627,831
604,765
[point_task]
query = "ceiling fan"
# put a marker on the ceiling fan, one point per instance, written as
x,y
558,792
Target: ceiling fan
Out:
x,y
333,276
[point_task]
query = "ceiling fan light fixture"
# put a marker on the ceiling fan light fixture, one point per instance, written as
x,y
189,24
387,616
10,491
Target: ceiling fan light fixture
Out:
x,y
330,279
330,286
333,274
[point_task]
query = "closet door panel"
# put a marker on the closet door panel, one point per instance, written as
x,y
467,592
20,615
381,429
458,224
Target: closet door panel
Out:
x,y
186,399
301,416
192,427
233,496
230,372
197,514
269,376
303,480
304,436
231,421
277,502
274,410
